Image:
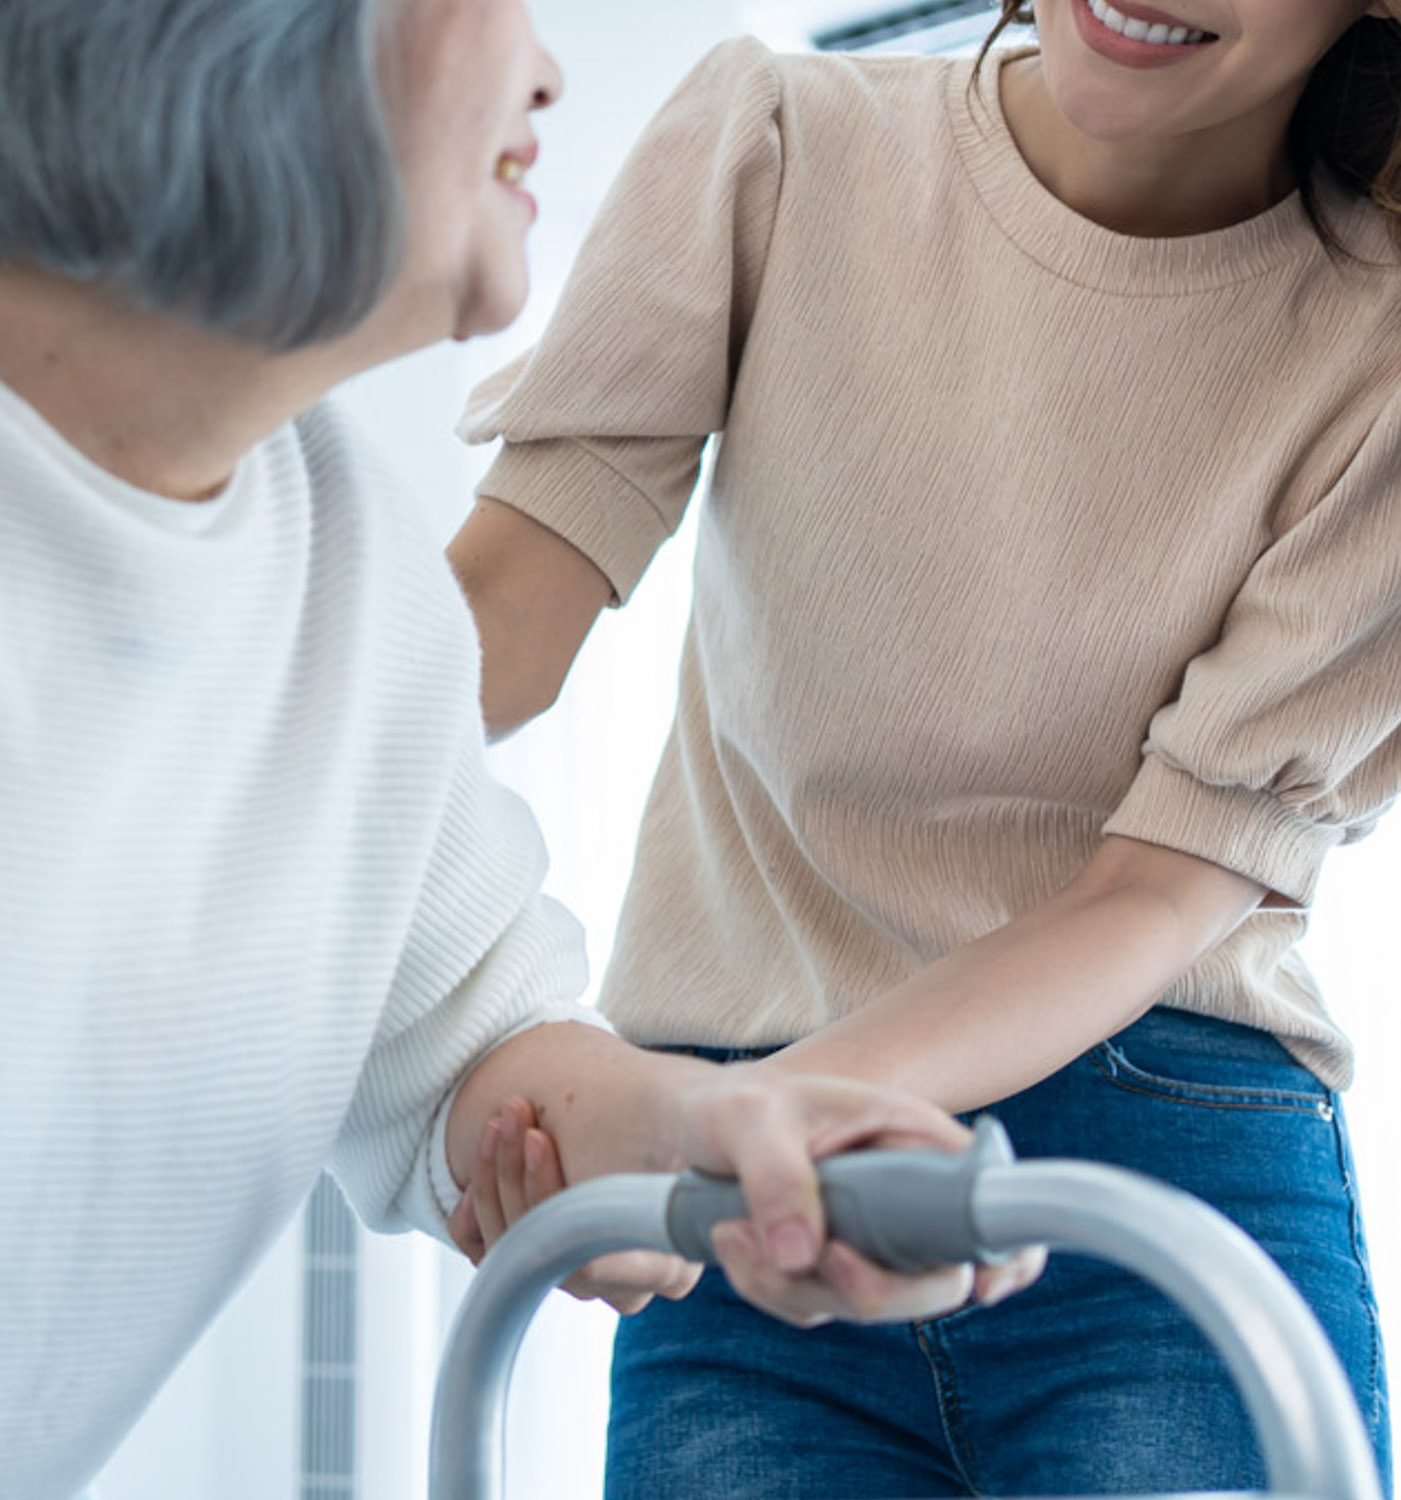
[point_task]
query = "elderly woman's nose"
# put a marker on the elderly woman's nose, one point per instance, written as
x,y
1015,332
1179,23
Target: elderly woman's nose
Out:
x,y
549,83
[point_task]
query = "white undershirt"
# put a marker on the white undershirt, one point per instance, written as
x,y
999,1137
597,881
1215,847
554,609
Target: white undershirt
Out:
x,y
260,903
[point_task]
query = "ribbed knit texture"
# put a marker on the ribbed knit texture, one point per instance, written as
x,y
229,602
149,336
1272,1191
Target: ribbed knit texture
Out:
x,y
259,901
1021,531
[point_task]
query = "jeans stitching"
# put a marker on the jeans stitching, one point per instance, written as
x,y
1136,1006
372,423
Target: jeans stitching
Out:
x,y
941,1368
1374,1395
1122,1074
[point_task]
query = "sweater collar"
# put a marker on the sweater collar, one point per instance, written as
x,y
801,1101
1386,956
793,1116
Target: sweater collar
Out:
x,y
1081,251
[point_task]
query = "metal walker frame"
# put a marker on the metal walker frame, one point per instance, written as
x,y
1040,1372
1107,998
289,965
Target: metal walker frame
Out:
x,y
913,1209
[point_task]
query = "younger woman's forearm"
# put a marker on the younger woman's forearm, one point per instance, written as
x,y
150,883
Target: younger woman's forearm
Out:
x,y
1012,1008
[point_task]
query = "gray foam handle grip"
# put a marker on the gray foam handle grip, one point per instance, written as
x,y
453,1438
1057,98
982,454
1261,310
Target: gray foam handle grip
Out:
x,y
907,1210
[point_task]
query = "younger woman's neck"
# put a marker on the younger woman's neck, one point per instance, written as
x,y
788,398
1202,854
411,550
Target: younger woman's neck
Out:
x,y
157,402
1159,189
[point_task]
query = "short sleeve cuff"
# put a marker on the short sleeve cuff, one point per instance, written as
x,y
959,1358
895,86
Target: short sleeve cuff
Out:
x,y
1248,831
565,485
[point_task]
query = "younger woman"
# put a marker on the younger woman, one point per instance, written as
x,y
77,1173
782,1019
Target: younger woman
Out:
x,y
1045,639
261,906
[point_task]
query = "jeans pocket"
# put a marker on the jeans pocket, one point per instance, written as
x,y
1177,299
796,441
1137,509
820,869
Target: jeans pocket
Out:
x,y
1211,1064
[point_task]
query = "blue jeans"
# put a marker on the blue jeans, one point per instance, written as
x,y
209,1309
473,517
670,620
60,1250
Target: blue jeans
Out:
x,y
1090,1382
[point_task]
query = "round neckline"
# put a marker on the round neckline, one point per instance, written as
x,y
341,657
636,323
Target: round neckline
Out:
x,y
1077,249
178,517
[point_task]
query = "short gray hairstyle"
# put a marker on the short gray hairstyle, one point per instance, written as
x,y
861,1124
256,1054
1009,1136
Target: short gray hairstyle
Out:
x,y
224,160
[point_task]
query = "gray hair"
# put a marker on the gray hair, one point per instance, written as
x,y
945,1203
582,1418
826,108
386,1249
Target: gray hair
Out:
x,y
224,160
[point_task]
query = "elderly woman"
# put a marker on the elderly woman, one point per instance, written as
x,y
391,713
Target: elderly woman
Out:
x,y
261,907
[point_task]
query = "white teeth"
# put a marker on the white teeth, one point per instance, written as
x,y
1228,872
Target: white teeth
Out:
x,y
509,170
1157,34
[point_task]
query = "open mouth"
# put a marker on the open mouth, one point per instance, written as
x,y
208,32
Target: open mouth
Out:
x,y
1153,33
515,162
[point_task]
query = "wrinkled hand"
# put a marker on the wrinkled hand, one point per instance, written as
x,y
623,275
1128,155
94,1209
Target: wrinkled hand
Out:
x,y
517,1168
767,1127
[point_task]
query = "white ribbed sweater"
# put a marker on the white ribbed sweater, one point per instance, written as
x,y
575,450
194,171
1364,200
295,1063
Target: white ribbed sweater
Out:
x,y
259,901
1020,531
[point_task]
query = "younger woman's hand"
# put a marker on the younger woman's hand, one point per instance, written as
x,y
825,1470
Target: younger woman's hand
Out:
x,y
767,1126
517,1168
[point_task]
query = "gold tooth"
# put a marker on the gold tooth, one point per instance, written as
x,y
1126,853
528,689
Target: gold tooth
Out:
x,y
509,170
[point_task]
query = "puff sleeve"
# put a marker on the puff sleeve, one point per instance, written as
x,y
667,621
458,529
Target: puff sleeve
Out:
x,y
1285,737
605,420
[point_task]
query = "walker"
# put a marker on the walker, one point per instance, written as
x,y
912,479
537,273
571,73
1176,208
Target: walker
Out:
x,y
914,1209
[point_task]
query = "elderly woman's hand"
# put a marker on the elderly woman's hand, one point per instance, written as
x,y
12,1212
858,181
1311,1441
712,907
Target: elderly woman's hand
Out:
x,y
767,1128
517,1168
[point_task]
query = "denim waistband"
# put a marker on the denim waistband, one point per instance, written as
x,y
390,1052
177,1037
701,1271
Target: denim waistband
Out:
x,y
1162,1026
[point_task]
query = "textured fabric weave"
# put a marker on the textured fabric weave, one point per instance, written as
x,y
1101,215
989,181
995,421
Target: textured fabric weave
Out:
x,y
259,901
1020,531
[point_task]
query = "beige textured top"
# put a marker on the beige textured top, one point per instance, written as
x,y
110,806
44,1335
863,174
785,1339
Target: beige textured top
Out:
x,y
1021,531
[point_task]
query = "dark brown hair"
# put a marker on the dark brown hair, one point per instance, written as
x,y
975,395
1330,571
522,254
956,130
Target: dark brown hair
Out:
x,y
1348,121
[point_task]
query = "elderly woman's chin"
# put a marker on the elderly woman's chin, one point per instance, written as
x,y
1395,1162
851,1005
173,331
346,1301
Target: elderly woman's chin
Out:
x,y
420,311
483,294
493,292
492,312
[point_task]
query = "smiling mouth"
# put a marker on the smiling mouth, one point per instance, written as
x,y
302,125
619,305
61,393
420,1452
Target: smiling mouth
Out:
x,y
515,161
1154,33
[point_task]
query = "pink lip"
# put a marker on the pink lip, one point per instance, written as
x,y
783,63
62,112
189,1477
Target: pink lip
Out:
x,y
521,196
1123,50
526,155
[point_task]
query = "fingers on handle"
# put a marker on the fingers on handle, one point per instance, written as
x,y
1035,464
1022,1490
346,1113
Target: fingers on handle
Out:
x,y
870,1294
799,1300
844,1286
995,1284
759,1133
769,1126
629,1280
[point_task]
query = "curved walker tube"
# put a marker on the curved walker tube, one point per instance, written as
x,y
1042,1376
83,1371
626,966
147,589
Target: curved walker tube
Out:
x,y
978,1206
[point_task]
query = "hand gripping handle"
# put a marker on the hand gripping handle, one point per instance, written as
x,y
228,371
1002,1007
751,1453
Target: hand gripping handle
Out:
x,y
909,1211
939,1209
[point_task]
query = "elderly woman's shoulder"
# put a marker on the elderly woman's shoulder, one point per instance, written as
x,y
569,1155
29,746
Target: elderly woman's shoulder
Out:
x,y
357,490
